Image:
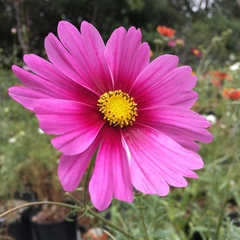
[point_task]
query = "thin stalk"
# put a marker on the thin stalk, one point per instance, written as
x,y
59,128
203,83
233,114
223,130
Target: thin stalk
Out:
x,y
110,235
220,220
37,203
144,224
202,60
102,219
90,167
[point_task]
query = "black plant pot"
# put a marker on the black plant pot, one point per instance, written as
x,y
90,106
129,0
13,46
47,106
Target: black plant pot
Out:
x,y
19,229
63,230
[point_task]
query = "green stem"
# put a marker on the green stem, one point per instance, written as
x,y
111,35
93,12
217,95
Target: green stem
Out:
x,y
161,49
97,216
37,203
90,167
220,219
202,60
143,223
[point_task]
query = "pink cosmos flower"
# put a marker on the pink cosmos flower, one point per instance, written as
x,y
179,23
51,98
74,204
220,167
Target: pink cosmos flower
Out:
x,y
171,43
110,99
13,30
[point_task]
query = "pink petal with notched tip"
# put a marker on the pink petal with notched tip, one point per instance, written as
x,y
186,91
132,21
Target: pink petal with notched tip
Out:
x,y
182,140
146,82
175,88
26,96
77,130
87,48
184,99
178,120
72,168
49,73
111,177
169,87
58,116
66,63
42,85
157,161
126,56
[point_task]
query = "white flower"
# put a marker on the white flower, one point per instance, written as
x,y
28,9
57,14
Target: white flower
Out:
x,y
211,118
235,66
12,140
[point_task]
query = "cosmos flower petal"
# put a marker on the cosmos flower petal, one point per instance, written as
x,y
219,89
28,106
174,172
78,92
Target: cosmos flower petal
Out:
x,y
50,77
87,49
122,186
181,78
66,63
177,119
74,142
34,82
48,71
155,164
183,99
175,87
48,86
152,184
126,56
152,74
26,96
140,180
101,183
62,116
76,165
110,178
185,142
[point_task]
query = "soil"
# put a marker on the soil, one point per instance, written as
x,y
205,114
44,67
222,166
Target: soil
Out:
x,y
51,213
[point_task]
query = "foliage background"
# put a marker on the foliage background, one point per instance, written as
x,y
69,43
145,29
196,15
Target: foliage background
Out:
x,y
212,26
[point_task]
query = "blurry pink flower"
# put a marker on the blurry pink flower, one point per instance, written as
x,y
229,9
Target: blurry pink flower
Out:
x,y
171,43
13,30
110,99
176,42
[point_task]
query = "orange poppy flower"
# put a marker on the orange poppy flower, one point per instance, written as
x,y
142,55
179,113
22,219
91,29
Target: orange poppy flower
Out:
x,y
165,31
221,76
231,93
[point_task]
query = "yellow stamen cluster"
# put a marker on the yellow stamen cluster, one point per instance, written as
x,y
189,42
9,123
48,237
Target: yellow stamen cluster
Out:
x,y
118,108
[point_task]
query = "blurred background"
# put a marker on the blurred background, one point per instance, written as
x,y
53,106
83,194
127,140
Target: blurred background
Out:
x,y
205,34
196,21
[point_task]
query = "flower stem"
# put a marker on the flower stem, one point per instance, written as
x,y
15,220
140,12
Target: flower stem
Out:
x,y
221,215
37,203
97,216
143,223
90,167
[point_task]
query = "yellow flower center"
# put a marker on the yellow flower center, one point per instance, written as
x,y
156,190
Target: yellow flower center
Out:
x,y
118,108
